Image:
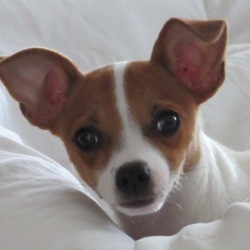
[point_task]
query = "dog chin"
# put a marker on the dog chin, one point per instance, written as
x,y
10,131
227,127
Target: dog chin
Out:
x,y
141,207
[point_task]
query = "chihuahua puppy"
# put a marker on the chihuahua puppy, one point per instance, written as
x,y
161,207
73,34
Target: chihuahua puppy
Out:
x,y
132,129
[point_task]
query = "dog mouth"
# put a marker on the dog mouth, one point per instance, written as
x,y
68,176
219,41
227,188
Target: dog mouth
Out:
x,y
137,203
137,206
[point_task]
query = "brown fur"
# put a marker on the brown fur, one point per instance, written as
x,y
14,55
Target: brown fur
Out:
x,y
150,84
93,103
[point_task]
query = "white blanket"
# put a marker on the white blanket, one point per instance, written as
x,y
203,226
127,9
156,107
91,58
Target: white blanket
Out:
x,y
42,205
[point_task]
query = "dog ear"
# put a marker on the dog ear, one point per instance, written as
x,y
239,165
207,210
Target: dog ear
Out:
x,y
193,51
40,80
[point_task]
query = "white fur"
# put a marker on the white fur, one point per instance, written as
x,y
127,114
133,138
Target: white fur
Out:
x,y
220,178
133,146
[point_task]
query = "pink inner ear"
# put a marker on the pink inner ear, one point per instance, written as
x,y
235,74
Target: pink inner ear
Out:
x,y
54,89
53,96
189,63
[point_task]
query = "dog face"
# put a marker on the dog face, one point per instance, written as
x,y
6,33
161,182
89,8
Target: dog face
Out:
x,y
130,128
153,140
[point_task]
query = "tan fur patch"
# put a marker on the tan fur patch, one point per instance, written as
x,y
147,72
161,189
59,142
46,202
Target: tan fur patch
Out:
x,y
91,103
150,90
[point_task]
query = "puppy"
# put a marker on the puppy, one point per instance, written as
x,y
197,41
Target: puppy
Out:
x,y
132,129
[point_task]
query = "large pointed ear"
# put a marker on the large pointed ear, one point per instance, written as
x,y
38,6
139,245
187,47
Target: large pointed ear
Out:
x,y
193,52
40,80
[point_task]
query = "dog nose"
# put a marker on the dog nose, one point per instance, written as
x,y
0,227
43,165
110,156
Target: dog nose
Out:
x,y
133,177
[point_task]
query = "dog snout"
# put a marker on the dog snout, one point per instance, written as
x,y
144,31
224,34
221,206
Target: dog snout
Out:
x,y
133,177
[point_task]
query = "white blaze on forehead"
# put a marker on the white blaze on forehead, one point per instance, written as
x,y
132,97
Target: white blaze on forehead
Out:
x,y
132,141
122,105
133,145
119,72
131,138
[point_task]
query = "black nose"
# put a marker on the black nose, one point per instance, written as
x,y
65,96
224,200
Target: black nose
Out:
x,y
133,177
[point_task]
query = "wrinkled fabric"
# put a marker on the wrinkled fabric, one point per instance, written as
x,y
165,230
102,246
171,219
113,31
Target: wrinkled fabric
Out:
x,y
42,204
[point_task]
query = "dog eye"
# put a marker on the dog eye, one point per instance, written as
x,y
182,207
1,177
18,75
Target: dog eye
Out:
x,y
87,139
167,123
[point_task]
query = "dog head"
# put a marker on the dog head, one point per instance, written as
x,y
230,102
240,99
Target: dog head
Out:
x,y
130,128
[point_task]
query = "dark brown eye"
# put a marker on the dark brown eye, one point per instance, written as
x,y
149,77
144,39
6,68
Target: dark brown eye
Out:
x,y
167,123
87,139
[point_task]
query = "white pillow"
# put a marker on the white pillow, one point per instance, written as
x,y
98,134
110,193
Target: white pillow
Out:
x,y
43,206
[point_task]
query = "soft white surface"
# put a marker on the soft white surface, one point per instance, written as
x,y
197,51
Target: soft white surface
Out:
x,y
42,206
229,233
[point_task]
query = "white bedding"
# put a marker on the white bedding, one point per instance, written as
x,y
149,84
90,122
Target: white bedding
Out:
x,y
42,205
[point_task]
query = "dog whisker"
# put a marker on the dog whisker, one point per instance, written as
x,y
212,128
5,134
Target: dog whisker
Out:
x,y
193,180
177,186
130,222
175,203
197,169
